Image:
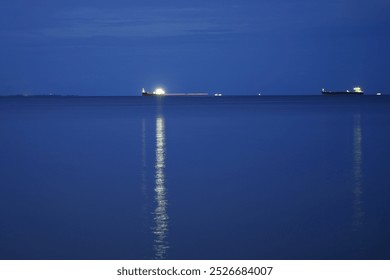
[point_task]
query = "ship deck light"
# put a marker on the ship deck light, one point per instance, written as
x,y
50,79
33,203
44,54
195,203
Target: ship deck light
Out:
x,y
159,91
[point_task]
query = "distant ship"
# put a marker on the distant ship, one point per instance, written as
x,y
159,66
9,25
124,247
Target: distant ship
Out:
x,y
356,90
161,92
158,91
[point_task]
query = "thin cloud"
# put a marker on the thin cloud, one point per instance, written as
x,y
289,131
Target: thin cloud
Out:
x,y
266,18
161,22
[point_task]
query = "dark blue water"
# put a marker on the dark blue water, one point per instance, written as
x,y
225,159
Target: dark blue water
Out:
x,y
195,178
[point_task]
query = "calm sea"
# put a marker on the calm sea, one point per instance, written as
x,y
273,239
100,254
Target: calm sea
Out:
x,y
302,177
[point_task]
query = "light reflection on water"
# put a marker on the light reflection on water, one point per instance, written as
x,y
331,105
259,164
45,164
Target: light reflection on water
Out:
x,y
358,216
357,170
160,227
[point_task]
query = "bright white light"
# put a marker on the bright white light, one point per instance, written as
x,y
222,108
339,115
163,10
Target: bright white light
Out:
x,y
159,91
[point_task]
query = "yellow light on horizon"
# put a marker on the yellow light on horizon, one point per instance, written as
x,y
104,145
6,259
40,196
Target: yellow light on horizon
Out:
x,y
159,91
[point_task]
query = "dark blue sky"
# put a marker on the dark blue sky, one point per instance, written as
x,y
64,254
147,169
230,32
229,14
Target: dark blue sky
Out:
x,y
93,47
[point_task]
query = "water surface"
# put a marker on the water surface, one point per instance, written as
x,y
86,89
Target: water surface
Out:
x,y
302,177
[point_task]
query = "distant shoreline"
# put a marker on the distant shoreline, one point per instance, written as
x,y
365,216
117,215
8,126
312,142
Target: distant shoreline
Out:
x,y
178,95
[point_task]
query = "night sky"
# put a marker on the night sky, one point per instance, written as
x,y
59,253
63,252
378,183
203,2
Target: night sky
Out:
x,y
92,47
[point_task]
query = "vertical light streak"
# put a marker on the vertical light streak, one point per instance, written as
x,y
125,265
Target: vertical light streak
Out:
x,y
161,218
357,172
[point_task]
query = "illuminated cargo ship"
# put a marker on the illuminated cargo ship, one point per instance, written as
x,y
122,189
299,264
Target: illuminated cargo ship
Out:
x,y
161,92
356,90
158,91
